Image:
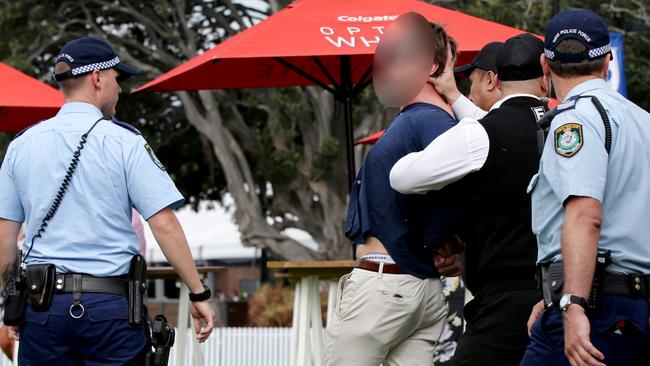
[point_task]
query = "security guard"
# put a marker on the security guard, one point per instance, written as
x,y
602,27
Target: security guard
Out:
x,y
493,160
590,205
74,179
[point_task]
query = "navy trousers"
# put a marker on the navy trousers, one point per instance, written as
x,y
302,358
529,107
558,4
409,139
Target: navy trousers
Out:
x,y
102,336
619,329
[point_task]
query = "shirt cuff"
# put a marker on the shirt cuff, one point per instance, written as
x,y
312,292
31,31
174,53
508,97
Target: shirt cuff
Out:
x,y
464,108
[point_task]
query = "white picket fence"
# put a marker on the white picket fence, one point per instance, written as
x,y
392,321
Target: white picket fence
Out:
x,y
235,347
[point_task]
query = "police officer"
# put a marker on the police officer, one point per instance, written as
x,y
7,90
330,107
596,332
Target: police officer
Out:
x,y
494,159
590,205
89,238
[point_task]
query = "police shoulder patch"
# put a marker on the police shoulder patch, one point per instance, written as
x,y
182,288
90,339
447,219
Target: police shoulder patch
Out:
x,y
568,139
153,157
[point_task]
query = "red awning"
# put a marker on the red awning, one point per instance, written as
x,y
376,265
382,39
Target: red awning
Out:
x,y
25,100
310,36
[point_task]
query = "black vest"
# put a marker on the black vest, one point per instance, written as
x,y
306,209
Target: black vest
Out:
x,y
501,249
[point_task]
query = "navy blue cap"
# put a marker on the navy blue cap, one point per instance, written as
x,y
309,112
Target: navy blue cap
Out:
x,y
518,58
87,54
582,25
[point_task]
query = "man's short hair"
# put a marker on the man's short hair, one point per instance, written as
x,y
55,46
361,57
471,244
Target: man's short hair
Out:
x,y
67,85
572,46
441,41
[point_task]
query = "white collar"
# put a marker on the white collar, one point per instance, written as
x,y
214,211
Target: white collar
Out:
x,y
498,104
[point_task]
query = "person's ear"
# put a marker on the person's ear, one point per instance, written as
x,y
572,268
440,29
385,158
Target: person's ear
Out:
x,y
543,85
544,62
492,80
434,68
95,78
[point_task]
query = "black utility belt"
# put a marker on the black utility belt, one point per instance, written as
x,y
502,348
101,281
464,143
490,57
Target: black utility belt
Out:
x,y
104,285
37,285
551,280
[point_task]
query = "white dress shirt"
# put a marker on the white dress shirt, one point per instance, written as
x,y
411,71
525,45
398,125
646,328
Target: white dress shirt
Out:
x,y
461,150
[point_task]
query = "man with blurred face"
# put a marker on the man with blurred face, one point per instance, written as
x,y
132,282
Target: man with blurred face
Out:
x,y
391,309
493,160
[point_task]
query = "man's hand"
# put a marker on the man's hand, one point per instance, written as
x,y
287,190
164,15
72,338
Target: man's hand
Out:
x,y
446,262
577,345
538,309
14,333
202,313
445,84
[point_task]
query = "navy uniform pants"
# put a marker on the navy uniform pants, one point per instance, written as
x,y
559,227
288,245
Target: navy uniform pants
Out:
x,y
619,329
102,336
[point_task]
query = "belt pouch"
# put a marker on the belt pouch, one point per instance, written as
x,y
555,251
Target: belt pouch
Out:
x,y
555,282
137,288
40,286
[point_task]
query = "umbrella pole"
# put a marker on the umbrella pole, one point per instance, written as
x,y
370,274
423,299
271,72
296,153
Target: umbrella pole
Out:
x,y
346,98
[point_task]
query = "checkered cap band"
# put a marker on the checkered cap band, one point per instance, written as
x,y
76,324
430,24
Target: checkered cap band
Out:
x,y
96,66
600,51
549,54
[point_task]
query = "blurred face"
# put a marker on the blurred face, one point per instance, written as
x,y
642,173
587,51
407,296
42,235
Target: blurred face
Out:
x,y
484,92
403,61
107,90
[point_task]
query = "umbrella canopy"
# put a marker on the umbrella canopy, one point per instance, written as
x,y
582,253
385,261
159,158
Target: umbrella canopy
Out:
x,y
310,36
25,100
329,43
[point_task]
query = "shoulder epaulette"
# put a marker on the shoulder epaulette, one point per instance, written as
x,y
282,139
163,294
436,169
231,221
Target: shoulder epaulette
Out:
x,y
568,105
127,126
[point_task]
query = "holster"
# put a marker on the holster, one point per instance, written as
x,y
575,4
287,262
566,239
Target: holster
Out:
x,y
162,340
40,286
15,296
552,281
137,289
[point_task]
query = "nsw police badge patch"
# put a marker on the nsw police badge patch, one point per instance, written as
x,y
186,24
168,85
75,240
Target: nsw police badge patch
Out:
x,y
154,157
568,139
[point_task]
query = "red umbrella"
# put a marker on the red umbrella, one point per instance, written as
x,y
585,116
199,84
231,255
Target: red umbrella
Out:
x,y
25,100
329,43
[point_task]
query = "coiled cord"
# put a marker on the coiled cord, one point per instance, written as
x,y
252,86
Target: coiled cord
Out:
x,y
62,189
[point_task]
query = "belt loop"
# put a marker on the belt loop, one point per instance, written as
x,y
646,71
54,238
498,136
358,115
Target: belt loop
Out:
x,y
380,272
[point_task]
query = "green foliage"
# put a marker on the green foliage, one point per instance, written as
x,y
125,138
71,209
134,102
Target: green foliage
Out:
x,y
326,158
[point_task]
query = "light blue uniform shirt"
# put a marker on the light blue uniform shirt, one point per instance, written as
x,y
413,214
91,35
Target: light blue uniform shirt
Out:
x,y
620,181
91,232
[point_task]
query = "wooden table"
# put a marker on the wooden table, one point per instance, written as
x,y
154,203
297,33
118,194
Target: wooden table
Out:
x,y
307,345
183,310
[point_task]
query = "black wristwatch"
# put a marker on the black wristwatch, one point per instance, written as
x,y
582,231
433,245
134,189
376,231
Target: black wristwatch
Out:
x,y
568,299
203,296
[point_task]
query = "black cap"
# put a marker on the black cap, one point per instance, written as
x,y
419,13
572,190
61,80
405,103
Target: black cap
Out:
x,y
582,25
518,59
484,60
87,54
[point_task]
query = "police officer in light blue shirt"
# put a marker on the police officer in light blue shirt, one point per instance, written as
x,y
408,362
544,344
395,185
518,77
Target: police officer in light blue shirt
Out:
x,y
83,226
591,204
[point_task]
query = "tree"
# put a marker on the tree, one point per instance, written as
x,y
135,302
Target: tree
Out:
x,y
278,151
